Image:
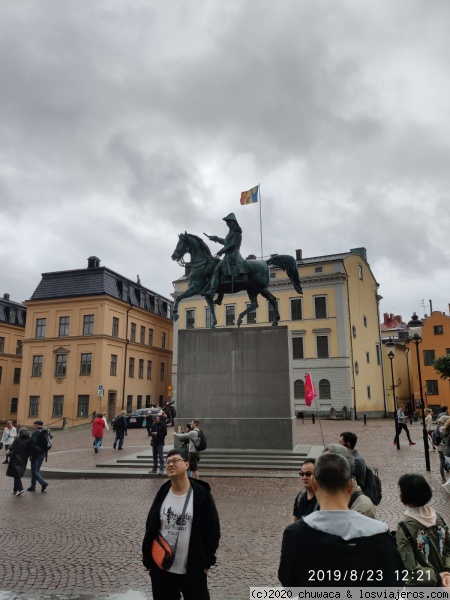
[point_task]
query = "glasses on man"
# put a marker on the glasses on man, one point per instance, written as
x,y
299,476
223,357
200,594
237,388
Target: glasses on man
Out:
x,y
306,473
173,461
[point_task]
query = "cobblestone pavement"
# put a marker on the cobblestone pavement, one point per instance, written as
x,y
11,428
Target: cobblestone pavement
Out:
x,y
81,538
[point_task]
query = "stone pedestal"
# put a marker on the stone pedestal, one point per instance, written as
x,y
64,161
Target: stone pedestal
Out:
x,y
237,383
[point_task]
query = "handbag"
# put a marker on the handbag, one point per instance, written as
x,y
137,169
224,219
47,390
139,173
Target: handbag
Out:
x,y
162,553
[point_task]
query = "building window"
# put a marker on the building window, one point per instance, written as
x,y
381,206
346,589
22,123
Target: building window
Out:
x,y
64,326
230,315
162,372
190,318
271,314
113,365
40,327
360,271
208,318
141,369
133,332
149,369
129,403
296,309
131,367
324,389
34,406
142,339
432,387
115,327
297,348
37,366
377,350
16,375
299,389
58,403
60,365
14,404
12,315
447,351
251,316
19,348
148,401
83,406
438,330
367,358
318,270
150,337
322,346
428,357
369,393
86,363
2,345
320,307
163,340
139,402
88,324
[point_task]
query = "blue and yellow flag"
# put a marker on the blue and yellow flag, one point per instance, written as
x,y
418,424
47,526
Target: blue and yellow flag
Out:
x,y
251,196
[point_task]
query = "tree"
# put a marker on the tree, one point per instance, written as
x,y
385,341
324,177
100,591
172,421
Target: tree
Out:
x,y
442,366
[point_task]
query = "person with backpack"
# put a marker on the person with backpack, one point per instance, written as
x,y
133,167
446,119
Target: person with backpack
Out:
x,y
319,549
305,502
438,441
40,449
422,537
192,437
121,429
348,440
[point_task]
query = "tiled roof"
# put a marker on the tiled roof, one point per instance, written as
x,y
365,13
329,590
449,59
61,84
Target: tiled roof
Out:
x,y
13,313
97,281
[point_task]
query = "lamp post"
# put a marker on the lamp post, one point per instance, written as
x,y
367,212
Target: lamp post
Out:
x,y
415,329
391,346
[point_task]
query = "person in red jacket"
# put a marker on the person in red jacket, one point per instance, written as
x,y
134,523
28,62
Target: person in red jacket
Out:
x,y
98,428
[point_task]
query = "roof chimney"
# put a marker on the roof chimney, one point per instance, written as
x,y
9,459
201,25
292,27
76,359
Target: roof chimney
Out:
x,y
298,254
93,262
6,297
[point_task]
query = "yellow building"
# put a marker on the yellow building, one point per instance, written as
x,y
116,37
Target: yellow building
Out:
x,y
94,341
12,329
334,325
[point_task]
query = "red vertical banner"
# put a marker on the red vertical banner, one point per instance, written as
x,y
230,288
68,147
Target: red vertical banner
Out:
x,y
310,390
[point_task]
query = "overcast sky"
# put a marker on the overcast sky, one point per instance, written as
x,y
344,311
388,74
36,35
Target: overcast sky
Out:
x,y
124,123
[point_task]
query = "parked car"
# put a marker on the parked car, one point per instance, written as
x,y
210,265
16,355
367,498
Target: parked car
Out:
x,y
141,417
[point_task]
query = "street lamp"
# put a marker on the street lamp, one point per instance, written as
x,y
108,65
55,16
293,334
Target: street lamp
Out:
x,y
415,330
391,346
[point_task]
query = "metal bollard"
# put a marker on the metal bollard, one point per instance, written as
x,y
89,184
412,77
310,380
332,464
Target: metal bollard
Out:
x,y
365,419
314,419
65,424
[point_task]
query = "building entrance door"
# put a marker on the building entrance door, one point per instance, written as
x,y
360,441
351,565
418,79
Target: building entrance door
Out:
x,y
112,399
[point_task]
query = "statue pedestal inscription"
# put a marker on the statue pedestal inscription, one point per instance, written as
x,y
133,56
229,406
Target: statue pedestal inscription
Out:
x,y
237,383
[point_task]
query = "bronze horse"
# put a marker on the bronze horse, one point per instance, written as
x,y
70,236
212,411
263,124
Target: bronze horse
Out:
x,y
254,282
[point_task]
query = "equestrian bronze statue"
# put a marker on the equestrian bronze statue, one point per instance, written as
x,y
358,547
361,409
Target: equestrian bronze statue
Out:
x,y
209,275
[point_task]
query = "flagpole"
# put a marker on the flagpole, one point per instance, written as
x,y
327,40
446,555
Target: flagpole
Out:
x,y
260,220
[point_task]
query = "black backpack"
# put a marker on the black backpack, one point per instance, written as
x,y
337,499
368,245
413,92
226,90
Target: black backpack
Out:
x,y
372,485
437,437
45,441
200,443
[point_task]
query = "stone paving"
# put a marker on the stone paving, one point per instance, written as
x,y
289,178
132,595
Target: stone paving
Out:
x,y
81,538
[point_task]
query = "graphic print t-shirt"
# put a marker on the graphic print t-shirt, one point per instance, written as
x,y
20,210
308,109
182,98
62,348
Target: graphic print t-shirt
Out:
x,y
171,524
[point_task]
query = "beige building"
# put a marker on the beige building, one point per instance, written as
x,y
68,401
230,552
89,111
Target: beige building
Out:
x,y
334,325
12,330
94,341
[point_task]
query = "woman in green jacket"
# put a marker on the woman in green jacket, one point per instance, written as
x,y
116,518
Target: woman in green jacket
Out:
x,y
422,536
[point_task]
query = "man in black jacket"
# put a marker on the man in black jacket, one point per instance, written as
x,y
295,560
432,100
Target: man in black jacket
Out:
x,y
335,546
37,458
198,534
158,434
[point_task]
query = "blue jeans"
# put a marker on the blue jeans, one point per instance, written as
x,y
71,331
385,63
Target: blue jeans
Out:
x,y
119,438
36,464
158,453
98,442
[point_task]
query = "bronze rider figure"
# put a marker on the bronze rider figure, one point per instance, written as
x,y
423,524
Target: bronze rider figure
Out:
x,y
230,265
